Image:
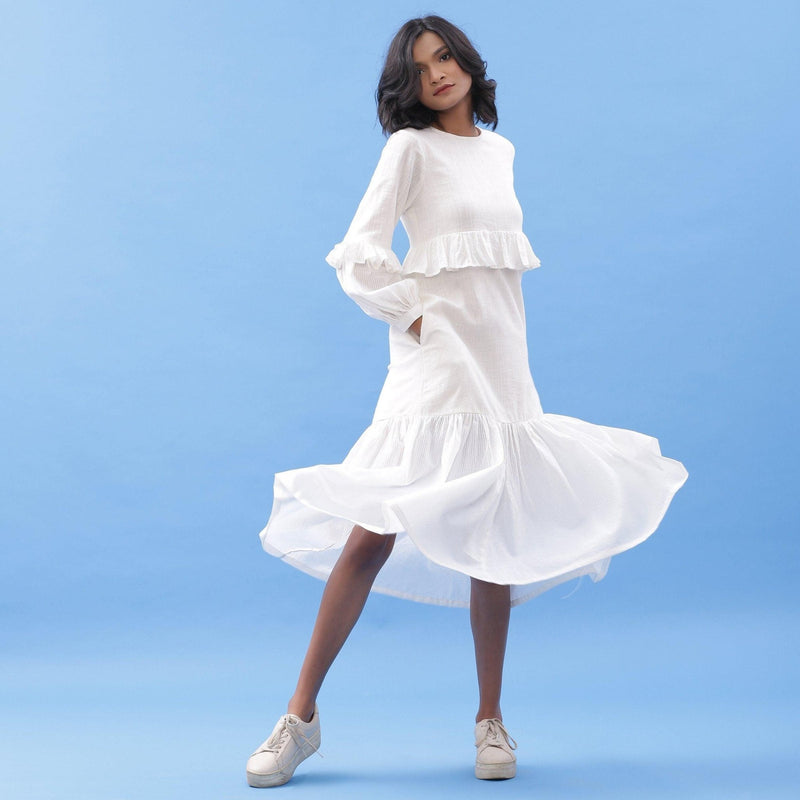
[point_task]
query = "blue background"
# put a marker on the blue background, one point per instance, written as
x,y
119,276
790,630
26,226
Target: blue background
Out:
x,y
173,175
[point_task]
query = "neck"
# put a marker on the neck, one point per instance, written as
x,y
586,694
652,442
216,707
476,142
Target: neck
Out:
x,y
458,120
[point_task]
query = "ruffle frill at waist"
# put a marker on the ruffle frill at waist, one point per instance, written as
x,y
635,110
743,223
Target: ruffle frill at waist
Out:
x,y
449,251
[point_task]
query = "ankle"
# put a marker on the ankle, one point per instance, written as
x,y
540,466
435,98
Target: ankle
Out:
x,y
302,709
488,713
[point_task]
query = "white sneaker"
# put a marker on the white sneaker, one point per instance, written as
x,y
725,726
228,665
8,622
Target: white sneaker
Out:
x,y
292,740
494,759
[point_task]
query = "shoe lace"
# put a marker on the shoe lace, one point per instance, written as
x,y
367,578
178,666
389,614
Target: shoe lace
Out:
x,y
496,733
278,738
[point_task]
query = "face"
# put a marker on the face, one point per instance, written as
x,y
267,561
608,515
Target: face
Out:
x,y
438,70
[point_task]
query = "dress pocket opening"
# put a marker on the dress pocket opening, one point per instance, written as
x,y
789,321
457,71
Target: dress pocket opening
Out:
x,y
420,340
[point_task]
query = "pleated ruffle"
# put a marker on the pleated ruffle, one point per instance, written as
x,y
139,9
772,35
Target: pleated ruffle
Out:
x,y
484,248
531,504
495,249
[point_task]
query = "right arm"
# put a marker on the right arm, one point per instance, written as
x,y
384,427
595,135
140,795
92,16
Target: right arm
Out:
x,y
367,268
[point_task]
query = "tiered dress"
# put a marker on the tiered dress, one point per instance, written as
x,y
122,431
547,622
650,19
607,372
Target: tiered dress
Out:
x,y
459,460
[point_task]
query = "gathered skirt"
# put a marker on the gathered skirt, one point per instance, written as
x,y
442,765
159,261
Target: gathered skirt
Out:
x,y
463,465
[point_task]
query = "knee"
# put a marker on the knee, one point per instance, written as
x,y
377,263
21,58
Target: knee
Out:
x,y
483,590
369,550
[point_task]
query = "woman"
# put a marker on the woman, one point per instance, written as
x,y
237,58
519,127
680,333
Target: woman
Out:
x,y
478,496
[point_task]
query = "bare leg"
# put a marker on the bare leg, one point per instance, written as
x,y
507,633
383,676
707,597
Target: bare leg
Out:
x,y
490,609
343,599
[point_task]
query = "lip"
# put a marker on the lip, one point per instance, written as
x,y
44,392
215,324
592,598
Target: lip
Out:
x,y
443,89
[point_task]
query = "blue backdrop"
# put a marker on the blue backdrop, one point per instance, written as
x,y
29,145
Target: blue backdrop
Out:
x,y
173,175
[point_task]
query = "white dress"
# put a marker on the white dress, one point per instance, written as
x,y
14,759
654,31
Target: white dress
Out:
x,y
459,460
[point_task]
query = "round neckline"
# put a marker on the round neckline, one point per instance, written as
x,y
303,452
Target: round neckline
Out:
x,y
458,135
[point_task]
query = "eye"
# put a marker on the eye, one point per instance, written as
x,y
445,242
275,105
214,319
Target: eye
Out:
x,y
445,55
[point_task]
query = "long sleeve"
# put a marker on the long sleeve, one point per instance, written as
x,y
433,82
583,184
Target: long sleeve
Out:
x,y
367,268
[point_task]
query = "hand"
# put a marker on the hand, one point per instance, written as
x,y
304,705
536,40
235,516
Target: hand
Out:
x,y
416,326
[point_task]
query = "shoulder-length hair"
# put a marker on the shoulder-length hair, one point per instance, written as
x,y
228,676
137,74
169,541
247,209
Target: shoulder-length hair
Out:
x,y
398,87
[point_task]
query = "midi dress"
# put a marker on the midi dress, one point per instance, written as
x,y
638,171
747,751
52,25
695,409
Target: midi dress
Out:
x,y
459,460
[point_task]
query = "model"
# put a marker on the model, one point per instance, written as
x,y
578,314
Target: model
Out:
x,y
461,491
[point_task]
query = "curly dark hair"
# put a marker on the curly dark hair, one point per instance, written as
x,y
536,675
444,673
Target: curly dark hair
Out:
x,y
397,92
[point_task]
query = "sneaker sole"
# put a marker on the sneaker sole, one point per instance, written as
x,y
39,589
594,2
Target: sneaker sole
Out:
x,y
495,772
258,781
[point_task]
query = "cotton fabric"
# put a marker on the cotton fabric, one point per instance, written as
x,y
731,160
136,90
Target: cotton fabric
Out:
x,y
460,461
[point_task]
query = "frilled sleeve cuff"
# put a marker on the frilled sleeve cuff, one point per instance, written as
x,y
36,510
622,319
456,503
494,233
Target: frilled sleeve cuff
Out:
x,y
361,251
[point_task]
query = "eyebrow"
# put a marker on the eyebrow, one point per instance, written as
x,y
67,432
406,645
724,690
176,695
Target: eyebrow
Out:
x,y
438,50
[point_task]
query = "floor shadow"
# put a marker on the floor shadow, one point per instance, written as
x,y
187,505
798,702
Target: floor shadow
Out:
x,y
700,779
